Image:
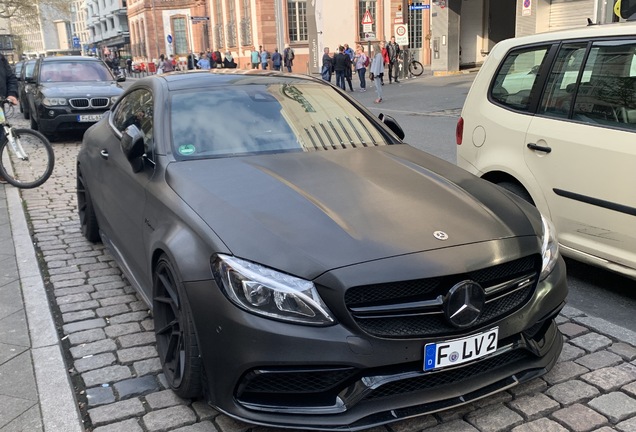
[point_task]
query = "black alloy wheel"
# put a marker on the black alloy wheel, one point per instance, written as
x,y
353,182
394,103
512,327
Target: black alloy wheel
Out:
x,y
88,219
176,340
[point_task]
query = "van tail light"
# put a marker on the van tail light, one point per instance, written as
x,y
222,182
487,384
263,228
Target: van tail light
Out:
x,y
459,131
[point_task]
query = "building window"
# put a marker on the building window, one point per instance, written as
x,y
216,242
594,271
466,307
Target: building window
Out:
x,y
219,40
297,19
231,24
363,7
415,27
246,24
180,39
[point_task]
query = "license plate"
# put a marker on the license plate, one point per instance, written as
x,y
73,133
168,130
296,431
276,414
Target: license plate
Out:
x,y
89,118
458,351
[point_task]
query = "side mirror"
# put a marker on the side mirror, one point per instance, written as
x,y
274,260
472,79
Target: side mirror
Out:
x,y
132,145
392,124
121,78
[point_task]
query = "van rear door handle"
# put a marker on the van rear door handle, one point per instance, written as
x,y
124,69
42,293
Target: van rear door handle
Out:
x,y
533,146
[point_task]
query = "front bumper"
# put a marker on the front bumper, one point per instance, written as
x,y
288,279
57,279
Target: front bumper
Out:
x,y
53,120
337,378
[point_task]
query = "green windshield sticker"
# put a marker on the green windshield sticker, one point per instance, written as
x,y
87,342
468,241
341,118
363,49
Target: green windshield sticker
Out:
x,y
186,149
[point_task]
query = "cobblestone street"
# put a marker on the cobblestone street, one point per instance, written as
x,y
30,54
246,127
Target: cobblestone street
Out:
x,y
108,336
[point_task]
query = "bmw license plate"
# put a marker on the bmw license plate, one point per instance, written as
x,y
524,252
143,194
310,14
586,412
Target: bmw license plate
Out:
x,y
458,351
88,118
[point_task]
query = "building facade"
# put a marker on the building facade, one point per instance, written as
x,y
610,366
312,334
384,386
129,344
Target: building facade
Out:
x,y
46,33
107,26
80,34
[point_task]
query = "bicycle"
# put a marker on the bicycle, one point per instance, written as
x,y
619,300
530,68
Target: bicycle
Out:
x,y
26,156
415,67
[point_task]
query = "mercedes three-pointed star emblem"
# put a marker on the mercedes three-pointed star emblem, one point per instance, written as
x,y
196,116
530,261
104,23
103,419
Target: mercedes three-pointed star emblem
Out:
x,y
464,303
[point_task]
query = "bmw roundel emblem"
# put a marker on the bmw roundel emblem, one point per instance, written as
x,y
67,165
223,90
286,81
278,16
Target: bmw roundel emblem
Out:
x,y
440,235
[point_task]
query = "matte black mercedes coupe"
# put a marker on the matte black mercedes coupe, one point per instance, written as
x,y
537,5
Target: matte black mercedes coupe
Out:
x,y
305,267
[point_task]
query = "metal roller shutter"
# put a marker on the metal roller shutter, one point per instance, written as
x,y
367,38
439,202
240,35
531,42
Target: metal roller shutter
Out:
x,y
570,13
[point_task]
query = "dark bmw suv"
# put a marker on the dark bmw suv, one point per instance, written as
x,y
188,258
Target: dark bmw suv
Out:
x,y
70,93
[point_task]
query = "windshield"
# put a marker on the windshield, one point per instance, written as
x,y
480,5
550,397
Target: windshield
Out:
x,y
72,71
267,118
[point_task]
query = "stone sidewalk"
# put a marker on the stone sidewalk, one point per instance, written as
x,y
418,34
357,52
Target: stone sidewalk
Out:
x,y
109,347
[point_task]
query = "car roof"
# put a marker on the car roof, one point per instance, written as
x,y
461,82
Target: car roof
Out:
x,y
223,77
68,58
586,32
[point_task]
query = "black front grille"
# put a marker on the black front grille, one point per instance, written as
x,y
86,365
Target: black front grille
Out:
x,y
83,103
99,102
314,381
398,324
79,103
445,377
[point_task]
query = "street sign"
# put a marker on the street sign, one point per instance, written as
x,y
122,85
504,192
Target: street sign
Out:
x,y
401,33
526,10
196,19
169,38
76,42
369,37
367,19
367,28
419,7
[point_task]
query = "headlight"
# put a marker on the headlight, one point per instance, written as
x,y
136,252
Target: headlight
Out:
x,y
53,101
113,99
549,248
269,293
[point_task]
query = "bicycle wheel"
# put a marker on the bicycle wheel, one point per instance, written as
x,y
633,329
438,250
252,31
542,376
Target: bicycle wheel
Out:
x,y
36,168
416,68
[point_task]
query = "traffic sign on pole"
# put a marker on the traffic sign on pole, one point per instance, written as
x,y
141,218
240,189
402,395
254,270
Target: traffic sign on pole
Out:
x,y
367,19
401,34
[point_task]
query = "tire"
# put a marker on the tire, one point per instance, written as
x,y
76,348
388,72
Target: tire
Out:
x,y
176,339
416,68
36,168
88,219
518,190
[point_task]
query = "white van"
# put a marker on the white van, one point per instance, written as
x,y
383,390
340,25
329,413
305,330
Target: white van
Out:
x,y
552,117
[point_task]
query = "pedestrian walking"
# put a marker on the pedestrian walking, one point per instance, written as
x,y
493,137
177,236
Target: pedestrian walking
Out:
x,y
129,66
393,53
288,58
191,61
377,71
361,61
327,65
340,61
204,62
277,60
264,58
255,59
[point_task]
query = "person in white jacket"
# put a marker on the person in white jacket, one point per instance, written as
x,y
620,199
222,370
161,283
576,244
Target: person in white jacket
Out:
x,y
377,69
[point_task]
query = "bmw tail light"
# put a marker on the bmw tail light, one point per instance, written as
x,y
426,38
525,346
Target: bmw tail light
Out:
x,y
459,131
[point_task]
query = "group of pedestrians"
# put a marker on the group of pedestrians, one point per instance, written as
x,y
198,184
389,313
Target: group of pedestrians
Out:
x,y
210,60
345,60
261,59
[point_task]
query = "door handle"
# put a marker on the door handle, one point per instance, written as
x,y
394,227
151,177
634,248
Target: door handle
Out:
x,y
544,149
104,154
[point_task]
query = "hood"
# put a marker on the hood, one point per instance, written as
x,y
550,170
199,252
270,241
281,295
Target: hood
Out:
x,y
81,89
313,212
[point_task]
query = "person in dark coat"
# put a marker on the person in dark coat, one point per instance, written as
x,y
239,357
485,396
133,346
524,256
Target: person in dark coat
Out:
x,y
327,65
340,61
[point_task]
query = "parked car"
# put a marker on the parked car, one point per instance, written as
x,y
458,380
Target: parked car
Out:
x,y
70,93
26,74
552,117
304,266
17,67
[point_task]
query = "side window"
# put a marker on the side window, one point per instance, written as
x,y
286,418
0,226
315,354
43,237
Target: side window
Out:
x,y
607,92
136,109
513,83
559,92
